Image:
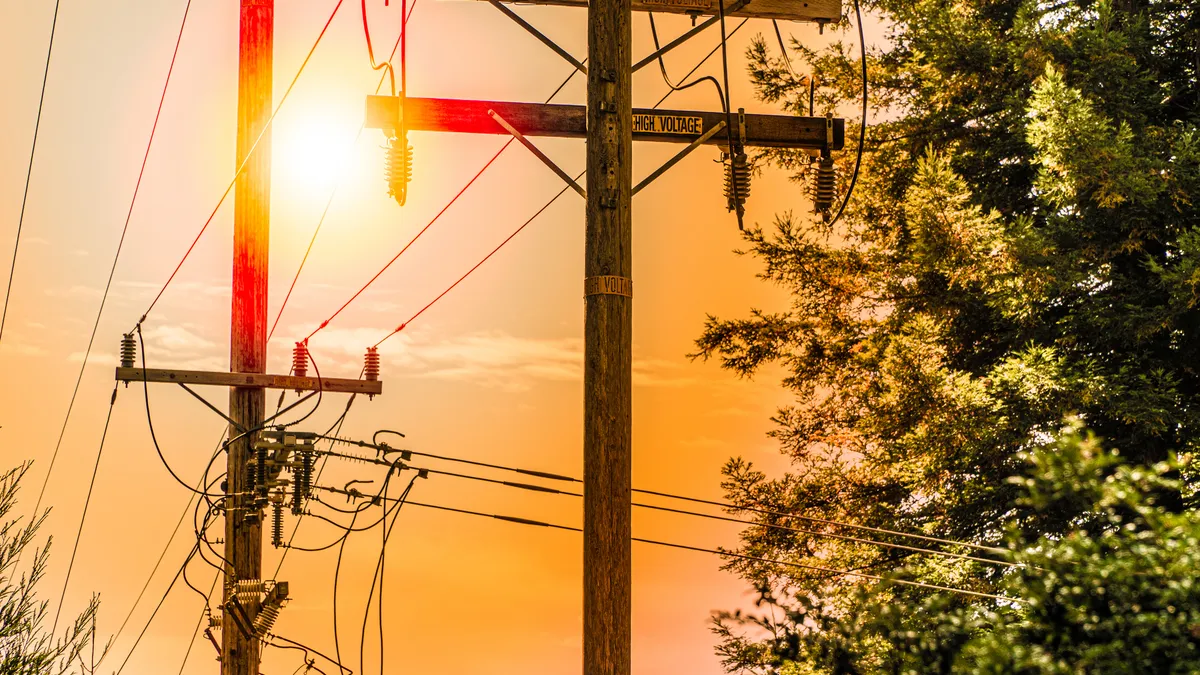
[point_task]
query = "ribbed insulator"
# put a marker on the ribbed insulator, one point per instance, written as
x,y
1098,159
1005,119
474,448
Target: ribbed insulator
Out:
x,y
214,620
737,172
260,476
297,489
250,586
300,360
824,185
128,350
397,168
307,461
371,365
277,524
265,619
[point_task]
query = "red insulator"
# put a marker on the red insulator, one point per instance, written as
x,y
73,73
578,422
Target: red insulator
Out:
x,y
371,365
300,360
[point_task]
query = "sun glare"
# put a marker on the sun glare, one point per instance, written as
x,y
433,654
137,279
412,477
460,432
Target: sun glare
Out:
x,y
312,153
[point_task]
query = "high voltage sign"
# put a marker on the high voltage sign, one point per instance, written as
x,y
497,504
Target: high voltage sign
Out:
x,y
668,124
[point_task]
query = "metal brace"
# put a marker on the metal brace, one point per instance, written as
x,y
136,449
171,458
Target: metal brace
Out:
x,y
537,153
682,153
540,36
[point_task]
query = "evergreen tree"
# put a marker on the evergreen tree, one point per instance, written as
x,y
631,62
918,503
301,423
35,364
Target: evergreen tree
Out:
x,y
26,648
1022,245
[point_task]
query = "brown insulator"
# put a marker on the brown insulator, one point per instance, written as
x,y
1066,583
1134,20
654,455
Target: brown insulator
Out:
x,y
737,174
128,350
824,186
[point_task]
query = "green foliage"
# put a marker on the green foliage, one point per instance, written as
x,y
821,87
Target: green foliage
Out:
x,y
26,648
1022,247
1117,595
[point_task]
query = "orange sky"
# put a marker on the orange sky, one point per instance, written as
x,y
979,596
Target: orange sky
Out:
x,y
493,372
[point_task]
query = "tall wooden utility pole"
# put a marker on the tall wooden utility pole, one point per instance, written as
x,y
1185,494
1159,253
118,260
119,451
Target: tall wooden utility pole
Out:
x,y
608,343
248,329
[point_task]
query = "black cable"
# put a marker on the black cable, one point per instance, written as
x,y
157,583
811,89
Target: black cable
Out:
x,y
862,134
784,563
702,61
337,571
120,243
37,125
150,422
725,505
662,67
378,575
87,501
310,649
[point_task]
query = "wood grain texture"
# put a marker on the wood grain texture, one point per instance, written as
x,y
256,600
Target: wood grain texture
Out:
x,y
818,11
248,328
571,121
608,345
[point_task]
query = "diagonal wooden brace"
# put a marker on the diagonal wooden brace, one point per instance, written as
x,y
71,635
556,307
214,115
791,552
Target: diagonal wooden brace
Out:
x,y
537,153
678,156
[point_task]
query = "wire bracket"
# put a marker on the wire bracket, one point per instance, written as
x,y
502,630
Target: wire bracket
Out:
x,y
538,153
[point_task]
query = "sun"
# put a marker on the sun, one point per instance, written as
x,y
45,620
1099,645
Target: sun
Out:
x,y
313,152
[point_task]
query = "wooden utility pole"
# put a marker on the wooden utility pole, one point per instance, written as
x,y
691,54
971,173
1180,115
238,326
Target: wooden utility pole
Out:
x,y
248,330
608,343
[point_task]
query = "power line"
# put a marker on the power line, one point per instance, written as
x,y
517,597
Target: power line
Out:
x,y
431,222
784,563
87,501
245,160
29,172
120,244
480,263
157,607
702,61
333,193
510,237
772,526
724,505
862,134
199,623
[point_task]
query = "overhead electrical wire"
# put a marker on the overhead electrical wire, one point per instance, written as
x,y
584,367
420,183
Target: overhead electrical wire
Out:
x,y
740,556
657,493
702,61
478,264
242,165
435,218
120,244
862,133
87,501
662,67
770,526
421,311
386,66
37,125
157,607
306,648
333,193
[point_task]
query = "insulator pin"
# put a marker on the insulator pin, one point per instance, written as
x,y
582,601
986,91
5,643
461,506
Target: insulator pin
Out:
x,y
398,168
128,351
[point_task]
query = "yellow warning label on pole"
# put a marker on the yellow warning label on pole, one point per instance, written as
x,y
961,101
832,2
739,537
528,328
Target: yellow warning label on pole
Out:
x,y
668,124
